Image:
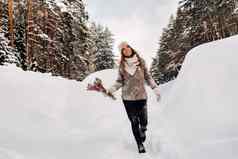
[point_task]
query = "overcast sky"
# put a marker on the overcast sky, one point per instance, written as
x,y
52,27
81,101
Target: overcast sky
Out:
x,y
140,22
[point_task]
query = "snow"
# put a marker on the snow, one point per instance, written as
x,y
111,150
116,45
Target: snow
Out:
x,y
50,117
62,5
9,54
45,117
235,11
200,117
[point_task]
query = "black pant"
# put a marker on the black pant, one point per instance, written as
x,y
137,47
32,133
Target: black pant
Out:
x,y
137,114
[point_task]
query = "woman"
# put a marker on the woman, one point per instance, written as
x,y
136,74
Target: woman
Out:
x,y
132,75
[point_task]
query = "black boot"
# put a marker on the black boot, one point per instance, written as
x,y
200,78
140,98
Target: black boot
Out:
x,y
141,148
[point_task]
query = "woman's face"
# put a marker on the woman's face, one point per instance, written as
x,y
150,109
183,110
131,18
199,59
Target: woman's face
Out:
x,y
126,50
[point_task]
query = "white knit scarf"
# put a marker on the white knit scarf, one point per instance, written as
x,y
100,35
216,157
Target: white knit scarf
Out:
x,y
131,64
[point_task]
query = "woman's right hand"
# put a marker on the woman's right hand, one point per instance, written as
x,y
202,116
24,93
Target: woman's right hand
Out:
x,y
108,92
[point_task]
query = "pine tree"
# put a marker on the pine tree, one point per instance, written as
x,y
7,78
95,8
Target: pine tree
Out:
x,y
53,36
166,52
7,53
196,22
79,65
103,40
154,70
4,19
104,58
20,32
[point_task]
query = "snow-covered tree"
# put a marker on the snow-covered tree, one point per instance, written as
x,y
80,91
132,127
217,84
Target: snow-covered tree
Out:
x,y
236,7
1,15
103,39
20,32
196,22
54,36
58,37
154,70
7,53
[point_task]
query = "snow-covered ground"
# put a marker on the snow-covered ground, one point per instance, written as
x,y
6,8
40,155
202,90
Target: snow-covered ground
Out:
x,y
44,117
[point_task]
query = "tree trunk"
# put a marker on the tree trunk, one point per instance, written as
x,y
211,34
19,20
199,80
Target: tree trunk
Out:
x,y
1,13
10,21
28,30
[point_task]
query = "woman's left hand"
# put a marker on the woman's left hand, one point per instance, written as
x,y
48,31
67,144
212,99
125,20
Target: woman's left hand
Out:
x,y
157,93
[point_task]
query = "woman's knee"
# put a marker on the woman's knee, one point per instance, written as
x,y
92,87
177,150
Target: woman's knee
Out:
x,y
134,121
144,117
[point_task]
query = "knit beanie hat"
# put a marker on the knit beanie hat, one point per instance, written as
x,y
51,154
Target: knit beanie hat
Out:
x,y
123,43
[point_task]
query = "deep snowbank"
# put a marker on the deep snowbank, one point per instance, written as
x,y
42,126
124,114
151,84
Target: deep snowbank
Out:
x,y
200,118
49,117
